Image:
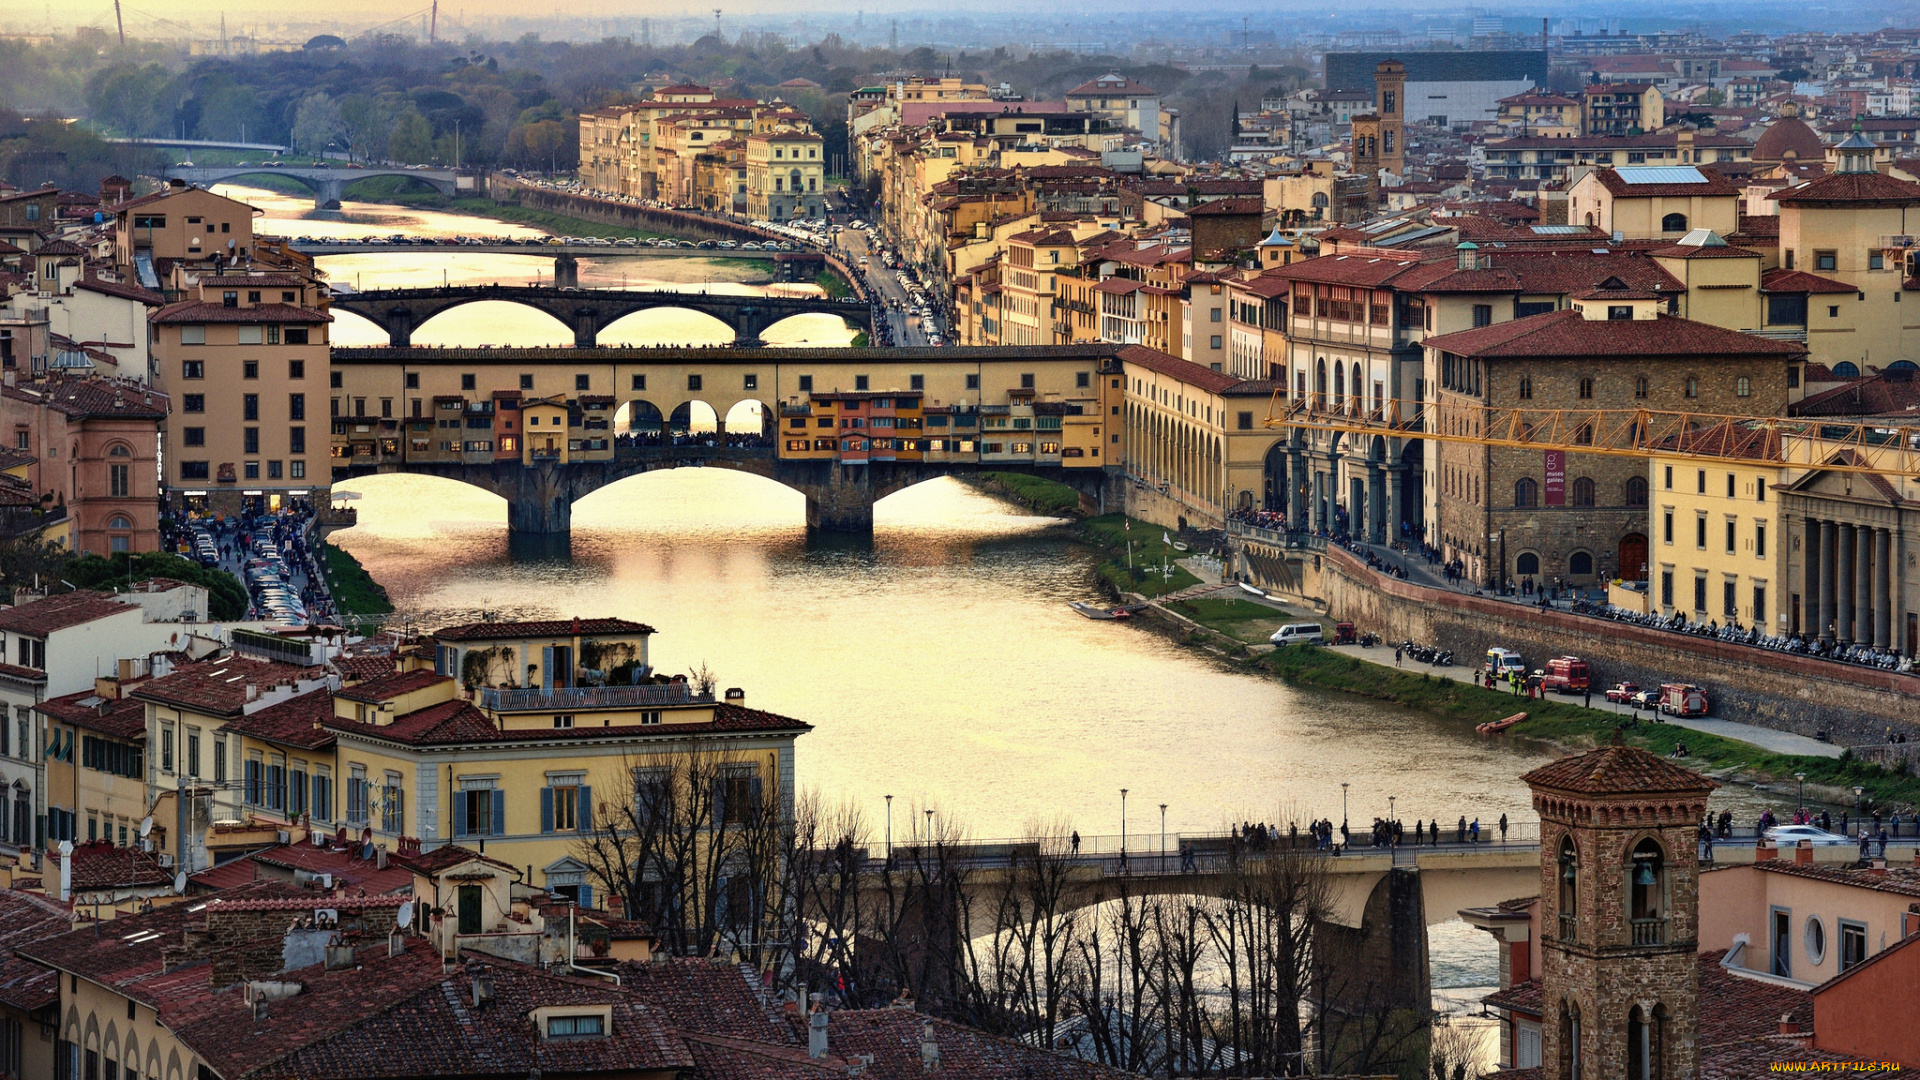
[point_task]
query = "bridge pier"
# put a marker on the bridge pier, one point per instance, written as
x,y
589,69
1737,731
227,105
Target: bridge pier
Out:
x,y
843,502
1375,993
327,195
566,272
539,500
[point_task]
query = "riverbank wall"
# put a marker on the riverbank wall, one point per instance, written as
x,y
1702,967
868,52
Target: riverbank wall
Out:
x,y
685,224
1853,705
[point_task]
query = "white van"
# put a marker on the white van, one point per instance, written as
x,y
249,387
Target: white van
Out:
x,y
1503,662
1304,633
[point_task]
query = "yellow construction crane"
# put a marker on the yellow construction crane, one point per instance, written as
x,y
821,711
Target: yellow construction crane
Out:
x,y
1879,446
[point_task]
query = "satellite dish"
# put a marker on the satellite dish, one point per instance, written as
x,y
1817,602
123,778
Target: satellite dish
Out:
x,y
146,826
180,883
403,918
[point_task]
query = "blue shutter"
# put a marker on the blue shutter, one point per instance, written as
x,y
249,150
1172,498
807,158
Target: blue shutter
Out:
x,y
583,820
499,812
586,896
459,814
546,809
546,668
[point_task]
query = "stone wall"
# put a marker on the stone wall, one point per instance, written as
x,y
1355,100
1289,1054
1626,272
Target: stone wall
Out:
x,y
1855,705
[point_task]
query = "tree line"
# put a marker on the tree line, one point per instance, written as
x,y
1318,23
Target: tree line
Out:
x,y
1035,945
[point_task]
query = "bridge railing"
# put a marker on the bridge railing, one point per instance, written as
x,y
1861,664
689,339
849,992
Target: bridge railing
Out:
x,y
589,697
1277,537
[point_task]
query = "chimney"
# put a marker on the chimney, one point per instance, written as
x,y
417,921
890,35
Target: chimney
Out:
x,y
817,1034
736,696
1803,853
1878,868
1787,1025
1765,851
929,1050
66,869
253,692
482,988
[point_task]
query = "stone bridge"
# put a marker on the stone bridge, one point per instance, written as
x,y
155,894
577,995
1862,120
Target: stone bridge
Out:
x,y
840,497
326,184
589,311
1379,903
788,266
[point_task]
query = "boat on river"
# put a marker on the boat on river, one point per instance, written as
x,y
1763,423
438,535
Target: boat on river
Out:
x,y
1096,611
1244,587
1495,727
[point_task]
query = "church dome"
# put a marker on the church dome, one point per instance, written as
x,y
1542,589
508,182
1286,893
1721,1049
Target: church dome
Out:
x,y
1789,136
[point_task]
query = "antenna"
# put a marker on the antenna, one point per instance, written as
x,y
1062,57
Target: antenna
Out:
x,y
716,22
433,28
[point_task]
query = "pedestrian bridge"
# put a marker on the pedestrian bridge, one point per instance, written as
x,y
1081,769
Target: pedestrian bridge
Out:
x,y
327,184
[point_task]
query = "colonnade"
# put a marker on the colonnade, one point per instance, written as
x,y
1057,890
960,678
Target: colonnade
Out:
x,y
1372,497
1849,582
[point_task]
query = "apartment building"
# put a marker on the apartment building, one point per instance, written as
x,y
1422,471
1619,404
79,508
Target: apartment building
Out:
x,y
243,356
1716,551
785,175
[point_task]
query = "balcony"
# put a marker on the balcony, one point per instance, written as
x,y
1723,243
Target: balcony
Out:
x,y
536,699
1649,931
1568,927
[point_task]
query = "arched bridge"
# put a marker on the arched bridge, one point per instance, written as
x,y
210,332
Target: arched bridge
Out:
x,y
589,311
840,498
326,184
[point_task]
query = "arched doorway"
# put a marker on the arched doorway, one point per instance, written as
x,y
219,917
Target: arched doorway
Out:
x,y
1276,479
1633,557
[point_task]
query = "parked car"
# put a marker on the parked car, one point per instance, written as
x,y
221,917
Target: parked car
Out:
x,y
1299,633
1683,699
1646,699
1622,692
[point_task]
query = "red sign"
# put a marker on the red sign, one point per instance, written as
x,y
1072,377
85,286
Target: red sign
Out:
x,y
1556,478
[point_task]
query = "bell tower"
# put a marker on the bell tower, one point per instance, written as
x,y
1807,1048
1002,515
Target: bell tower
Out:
x,y
1390,97
1619,896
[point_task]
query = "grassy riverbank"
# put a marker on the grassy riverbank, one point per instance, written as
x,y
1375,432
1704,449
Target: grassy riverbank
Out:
x,y
354,591
1230,625
558,224
1141,572
1036,493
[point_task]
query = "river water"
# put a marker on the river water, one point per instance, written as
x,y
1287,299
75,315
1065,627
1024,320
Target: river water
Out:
x,y
939,663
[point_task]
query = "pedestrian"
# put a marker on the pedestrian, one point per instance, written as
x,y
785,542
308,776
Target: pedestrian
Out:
x,y
1433,832
1460,831
1503,828
1397,654
1076,841
1419,832
1587,703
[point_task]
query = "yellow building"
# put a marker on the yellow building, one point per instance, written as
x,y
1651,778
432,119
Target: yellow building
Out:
x,y
1541,113
96,775
785,175
1717,554
1655,202
179,224
546,431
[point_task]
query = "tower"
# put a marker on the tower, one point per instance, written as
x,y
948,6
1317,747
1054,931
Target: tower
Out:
x,y
1619,915
1390,97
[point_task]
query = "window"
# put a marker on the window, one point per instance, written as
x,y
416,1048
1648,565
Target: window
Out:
x,y
1876,261
194,470
1815,940
1732,534
1729,598
1700,594
573,1027
1244,421
250,440
322,794
252,335
297,369
693,382
1636,491
973,382
194,403
583,382
1583,491
393,805
639,382
1640,386
467,382
526,382
1759,540
860,382
250,407
1526,493
357,792
193,436
193,335
1824,260
1483,314
166,748
117,481
249,369
193,369
1674,223
1666,526
1787,309
1666,588
1853,945
1743,387
1526,387
1586,387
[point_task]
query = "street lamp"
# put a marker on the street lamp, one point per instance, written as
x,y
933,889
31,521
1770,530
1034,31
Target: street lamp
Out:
x,y
1343,803
1390,818
1123,823
1802,777
889,799
1163,837
929,826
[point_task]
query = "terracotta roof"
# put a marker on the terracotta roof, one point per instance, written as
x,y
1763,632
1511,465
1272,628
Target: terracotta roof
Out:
x,y
1778,280
298,721
1618,770
1789,135
218,687
698,995
100,866
448,856
1869,187
1903,880
893,1037
1118,86
119,718
1711,183
203,311
59,247
94,398
27,917
448,722
1186,371
364,666
120,289
47,614
22,674
392,685
1571,333
1224,207
502,631
1887,393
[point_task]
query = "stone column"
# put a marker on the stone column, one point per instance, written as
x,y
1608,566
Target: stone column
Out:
x,y
1396,511
1883,589
1377,505
1863,584
1843,573
1823,619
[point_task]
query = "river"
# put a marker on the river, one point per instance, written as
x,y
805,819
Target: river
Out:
x,y
939,663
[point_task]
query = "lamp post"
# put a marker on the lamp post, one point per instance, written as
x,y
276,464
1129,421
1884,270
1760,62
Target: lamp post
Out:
x,y
1343,803
1390,818
1123,825
929,826
1163,837
889,799
1802,777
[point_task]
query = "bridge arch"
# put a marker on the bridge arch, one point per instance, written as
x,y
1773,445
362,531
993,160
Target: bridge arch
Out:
x,y
667,325
814,328
440,329
693,417
749,417
639,417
